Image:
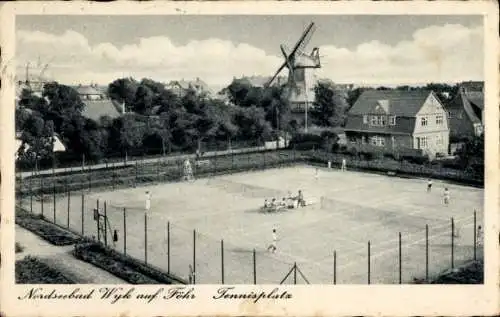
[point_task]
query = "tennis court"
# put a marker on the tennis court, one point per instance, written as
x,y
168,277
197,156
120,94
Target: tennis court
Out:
x,y
349,209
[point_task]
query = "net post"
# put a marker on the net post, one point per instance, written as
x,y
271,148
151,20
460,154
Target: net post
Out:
x,y
145,237
452,242
222,260
124,231
254,267
400,260
426,252
194,256
168,247
83,207
369,268
475,236
334,267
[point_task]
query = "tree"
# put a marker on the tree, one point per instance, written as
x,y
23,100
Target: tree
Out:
x,y
330,106
353,95
123,90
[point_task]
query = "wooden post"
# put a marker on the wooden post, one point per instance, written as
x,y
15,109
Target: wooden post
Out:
x,y
83,206
31,193
334,267
254,267
294,273
475,235
168,247
426,253
145,237
400,260
194,256
105,225
124,231
135,182
222,260
98,223
54,198
452,242
369,266
41,193
69,204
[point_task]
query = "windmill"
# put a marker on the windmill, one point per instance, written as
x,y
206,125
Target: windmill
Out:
x,y
297,61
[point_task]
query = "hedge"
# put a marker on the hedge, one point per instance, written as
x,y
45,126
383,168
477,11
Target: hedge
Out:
x,y
31,270
122,266
45,229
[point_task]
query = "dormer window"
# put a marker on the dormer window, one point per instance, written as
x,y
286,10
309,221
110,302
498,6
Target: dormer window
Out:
x,y
392,120
423,121
365,119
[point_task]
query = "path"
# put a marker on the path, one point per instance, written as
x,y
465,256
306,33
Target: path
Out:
x,y
61,258
133,161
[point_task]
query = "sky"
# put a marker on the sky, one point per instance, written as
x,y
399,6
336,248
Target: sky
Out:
x,y
358,49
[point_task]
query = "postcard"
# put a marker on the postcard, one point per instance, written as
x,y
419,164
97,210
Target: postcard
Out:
x,y
249,158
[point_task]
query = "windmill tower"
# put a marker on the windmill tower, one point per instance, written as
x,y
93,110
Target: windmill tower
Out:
x,y
299,87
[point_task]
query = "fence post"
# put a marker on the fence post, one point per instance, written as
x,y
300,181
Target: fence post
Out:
x,y
194,256
452,241
334,267
124,231
83,205
145,237
98,223
90,177
254,268
41,193
105,225
31,193
475,235
83,162
400,260
222,260
54,198
168,247
158,170
69,203
232,160
427,252
294,273
369,268
135,182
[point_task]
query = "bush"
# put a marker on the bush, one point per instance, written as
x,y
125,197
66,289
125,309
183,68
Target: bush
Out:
x,y
306,141
416,159
18,247
46,230
31,270
126,268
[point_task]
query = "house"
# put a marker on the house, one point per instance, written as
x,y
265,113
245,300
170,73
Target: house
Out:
x,y
95,109
399,121
466,111
58,144
90,92
181,87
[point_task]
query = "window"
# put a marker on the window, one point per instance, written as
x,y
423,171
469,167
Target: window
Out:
x,y
422,142
449,114
423,121
439,140
378,121
365,119
392,120
383,120
439,120
373,120
378,141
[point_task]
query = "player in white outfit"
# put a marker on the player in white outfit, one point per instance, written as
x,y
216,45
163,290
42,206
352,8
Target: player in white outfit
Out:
x,y
148,201
446,196
272,247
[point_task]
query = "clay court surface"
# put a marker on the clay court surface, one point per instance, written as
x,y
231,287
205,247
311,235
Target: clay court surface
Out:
x,y
350,209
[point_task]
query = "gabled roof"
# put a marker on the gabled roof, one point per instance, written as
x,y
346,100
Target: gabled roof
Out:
x,y
400,103
95,109
88,90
